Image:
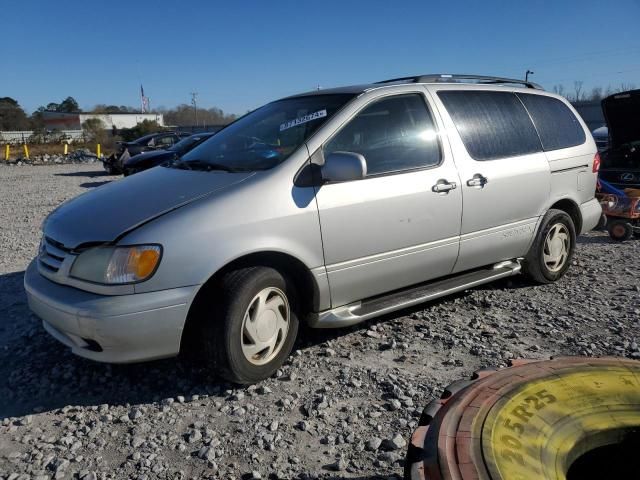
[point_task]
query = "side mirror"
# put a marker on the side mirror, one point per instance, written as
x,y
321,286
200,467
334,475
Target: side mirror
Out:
x,y
343,167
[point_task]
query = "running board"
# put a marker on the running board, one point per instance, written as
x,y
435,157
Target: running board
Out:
x,y
357,312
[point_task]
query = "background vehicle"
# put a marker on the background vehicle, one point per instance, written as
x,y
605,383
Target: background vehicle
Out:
x,y
146,160
153,141
601,136
328,207
620,210
621,160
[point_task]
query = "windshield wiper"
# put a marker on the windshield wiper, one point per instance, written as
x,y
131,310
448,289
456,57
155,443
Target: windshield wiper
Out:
x,y
202,166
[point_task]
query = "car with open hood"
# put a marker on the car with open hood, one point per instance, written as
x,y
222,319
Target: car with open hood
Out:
x,y
329,207
154,141
621,160
146,160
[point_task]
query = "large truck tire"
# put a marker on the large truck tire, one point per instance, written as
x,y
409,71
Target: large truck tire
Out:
x,y
531,420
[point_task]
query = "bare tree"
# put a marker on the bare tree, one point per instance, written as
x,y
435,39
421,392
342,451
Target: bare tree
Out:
x,y
558,89
577,86
596,94
609,91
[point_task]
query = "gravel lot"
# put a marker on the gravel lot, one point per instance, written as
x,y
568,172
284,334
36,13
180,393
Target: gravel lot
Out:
x,y
342,407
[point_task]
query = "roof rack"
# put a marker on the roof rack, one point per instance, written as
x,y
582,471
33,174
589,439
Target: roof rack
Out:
x,y
460,78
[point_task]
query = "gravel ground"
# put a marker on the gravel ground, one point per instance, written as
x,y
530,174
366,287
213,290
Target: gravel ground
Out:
x,y
342,407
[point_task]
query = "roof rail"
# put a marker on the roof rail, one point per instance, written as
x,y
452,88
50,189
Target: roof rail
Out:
x,y
460,78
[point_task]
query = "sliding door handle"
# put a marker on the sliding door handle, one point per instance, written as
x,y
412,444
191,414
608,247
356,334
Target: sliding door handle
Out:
x,y
478,180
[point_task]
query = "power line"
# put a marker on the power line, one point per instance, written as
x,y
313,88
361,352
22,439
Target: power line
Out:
x,y
593,75
584,56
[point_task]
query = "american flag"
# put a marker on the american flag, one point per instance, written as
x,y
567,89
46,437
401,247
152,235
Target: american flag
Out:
x,y
144,101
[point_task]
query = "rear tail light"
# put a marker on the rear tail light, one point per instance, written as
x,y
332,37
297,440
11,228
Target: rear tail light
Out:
x,y
596,163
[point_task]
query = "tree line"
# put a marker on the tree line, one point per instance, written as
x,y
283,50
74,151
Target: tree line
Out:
x,y
13,116
580,95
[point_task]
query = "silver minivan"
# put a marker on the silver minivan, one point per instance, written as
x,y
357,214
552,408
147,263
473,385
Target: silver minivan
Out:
x,y
330,208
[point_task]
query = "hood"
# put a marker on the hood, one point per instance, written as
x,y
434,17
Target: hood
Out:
x,y
155,155
104,214
622,112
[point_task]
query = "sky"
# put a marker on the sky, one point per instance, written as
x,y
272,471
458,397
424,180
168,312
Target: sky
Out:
x,y
239,55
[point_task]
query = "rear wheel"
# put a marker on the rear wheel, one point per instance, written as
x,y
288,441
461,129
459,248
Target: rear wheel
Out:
x,y
620,230
552,249
249,324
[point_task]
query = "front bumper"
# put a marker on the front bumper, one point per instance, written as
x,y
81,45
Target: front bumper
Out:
x,y
591,212
114,329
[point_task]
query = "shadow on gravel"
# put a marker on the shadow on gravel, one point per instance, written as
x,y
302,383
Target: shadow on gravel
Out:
x,y
372,477
94,184
90,173
591,240
39,374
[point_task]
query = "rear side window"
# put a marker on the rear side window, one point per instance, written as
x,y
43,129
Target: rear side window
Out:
x,y
394,134
492,125
557,126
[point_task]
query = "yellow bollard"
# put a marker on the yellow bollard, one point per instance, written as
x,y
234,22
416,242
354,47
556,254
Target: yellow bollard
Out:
x,y
26,151
98,150
66,148
7,152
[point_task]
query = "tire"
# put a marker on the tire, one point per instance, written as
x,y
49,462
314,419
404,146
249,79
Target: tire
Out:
x,y
550,255
264,300
620,230
530,420
602,223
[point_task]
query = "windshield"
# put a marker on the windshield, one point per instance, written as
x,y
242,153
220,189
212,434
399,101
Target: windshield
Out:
x,y
187,143
144,140
265,137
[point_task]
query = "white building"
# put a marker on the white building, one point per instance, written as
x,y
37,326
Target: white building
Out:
x,y
73,121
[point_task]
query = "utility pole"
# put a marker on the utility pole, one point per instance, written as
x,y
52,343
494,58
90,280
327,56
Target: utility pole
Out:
x,y
194,95
526,75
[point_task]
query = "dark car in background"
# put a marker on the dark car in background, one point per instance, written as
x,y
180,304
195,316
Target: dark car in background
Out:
x,y
146,160
621,160
601,136
153,141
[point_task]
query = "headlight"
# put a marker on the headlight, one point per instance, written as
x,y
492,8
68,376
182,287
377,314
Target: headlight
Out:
x,y
117,265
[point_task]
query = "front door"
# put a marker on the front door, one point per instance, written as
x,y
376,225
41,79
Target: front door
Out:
x,y
400,225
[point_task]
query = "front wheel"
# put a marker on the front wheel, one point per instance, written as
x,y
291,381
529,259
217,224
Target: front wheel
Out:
x,y
552,249
251,324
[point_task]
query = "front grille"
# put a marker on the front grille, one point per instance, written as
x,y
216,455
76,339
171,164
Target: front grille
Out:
x,y
52,254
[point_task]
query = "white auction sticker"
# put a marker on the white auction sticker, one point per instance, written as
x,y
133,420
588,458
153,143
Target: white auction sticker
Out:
x,y
300,120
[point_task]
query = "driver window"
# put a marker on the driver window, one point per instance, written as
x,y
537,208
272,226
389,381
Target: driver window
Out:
x,y
394,134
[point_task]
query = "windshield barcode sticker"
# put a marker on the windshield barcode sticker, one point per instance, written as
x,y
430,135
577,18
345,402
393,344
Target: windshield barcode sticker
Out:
x,y
301,120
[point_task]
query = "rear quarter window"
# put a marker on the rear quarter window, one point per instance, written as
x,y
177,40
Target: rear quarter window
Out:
x,y
492,125
557,126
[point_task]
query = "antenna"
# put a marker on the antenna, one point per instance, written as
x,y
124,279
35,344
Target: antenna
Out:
x,y
194,96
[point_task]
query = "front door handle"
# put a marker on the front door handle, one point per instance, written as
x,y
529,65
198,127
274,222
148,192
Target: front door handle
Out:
x,y
443,186
478,180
